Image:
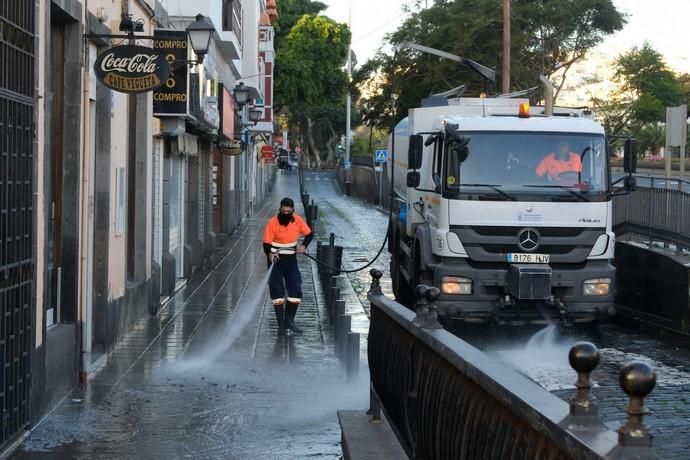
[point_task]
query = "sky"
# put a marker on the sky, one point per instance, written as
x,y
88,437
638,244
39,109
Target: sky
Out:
x,y
662,22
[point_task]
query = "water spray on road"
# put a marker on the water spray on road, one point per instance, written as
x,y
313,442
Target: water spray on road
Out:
x,y
248,305
544,359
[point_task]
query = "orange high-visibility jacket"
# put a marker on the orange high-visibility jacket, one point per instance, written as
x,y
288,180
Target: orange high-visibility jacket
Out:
x,y
552,166
284,238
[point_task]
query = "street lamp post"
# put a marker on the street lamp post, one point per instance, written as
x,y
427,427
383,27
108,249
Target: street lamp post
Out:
x,y
200,32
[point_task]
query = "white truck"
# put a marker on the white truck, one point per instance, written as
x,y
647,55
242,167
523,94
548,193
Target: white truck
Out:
x,y
478,215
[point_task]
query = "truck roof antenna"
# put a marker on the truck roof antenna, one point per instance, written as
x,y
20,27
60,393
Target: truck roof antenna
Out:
x,y
485,72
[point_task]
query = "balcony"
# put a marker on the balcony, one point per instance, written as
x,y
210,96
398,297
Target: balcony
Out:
x,y
226,15
231,28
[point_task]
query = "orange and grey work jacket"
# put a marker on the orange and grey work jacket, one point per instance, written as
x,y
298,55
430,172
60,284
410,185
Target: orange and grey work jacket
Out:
x,y
283,239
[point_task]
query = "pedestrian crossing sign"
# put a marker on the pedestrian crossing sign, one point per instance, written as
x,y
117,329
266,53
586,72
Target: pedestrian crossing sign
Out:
x,y
381,156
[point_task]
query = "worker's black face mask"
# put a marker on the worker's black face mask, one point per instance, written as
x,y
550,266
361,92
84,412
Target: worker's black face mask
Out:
x,y
284,219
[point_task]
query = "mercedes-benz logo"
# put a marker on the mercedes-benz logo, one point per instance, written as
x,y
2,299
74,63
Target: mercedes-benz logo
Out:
x,y
528,239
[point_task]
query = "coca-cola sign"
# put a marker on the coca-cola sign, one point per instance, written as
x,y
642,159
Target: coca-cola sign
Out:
x,y
131,69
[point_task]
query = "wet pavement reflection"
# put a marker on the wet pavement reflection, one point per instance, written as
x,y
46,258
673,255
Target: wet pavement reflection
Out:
x,y
191,383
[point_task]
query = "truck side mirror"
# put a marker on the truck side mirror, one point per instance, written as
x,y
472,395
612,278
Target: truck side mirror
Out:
x,y
413,179
630,156
414,151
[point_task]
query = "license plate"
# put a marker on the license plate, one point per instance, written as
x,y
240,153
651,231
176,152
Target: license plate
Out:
x,y
517,258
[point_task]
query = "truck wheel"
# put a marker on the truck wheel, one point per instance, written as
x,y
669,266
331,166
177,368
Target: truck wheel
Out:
x,y
421,276
401,288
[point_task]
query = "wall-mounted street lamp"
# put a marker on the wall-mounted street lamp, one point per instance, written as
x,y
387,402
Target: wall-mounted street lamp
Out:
x,y
241,94
200,32
255,115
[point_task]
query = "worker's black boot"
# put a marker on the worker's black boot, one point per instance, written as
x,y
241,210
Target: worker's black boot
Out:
x,y
280,317
290,312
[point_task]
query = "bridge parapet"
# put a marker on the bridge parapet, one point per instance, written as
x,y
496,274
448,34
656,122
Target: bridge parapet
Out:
x,y
659,208
446,399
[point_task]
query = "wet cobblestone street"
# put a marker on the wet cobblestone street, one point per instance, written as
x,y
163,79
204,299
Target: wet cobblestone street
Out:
x,y
360,228
209,378
192,383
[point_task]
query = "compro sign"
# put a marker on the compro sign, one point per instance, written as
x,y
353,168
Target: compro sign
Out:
x,y
131,69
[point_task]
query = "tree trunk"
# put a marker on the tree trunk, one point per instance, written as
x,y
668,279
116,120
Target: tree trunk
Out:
x,y
331,159
312,144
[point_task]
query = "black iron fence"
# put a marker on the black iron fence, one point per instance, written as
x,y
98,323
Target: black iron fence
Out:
x,y
446,399
659,209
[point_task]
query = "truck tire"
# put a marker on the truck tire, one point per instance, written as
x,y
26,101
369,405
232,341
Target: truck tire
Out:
x,y
420,276
401,287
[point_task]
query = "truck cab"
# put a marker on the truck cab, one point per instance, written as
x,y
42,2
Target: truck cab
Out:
x,y
507,211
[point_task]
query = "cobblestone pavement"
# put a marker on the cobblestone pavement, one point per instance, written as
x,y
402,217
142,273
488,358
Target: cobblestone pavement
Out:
x,y
359,228
542,355
208,378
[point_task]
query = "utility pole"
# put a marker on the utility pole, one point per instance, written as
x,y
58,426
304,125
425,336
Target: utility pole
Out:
x,y
349,103
506,46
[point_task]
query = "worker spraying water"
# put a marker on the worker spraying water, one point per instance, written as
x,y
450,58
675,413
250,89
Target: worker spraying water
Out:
x,y
281,245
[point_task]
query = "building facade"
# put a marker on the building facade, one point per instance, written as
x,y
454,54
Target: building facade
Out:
x,y
115,199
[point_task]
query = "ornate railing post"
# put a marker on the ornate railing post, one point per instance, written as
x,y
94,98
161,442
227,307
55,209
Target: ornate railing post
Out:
x,y
584,409
375,287
431,320
637,379
421,306
427,317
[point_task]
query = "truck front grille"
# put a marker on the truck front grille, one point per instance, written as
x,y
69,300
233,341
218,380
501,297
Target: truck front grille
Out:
x,y
563,244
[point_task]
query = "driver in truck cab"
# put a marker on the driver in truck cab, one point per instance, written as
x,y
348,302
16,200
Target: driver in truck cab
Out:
x,y
555,164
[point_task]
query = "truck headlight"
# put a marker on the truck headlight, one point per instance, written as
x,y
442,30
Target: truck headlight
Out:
x,y
597,286
456,285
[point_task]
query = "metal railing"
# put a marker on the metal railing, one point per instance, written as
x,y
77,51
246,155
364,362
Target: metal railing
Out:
x,y
658,209
446,399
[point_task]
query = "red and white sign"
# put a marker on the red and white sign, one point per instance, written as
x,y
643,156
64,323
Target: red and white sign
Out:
x,y
267,152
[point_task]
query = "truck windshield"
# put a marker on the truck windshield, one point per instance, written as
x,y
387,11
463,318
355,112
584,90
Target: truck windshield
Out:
x,y
528,166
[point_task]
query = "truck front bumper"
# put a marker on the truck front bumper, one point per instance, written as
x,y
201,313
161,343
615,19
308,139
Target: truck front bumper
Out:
x,y
502,292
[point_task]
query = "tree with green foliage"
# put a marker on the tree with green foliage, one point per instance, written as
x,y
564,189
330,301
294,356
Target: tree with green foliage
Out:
x,y
309,77
547,38
646,87
289,12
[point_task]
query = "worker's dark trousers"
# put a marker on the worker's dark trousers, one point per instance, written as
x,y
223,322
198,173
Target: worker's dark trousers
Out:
x,y
286,278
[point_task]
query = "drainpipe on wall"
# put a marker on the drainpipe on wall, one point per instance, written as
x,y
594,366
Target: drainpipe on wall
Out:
x,y
83,260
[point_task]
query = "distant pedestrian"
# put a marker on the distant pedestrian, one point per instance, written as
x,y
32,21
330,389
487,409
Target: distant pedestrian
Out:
x,y
281,246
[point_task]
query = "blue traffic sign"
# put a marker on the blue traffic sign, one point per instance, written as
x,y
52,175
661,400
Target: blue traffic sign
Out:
x,y
348,164
381,156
